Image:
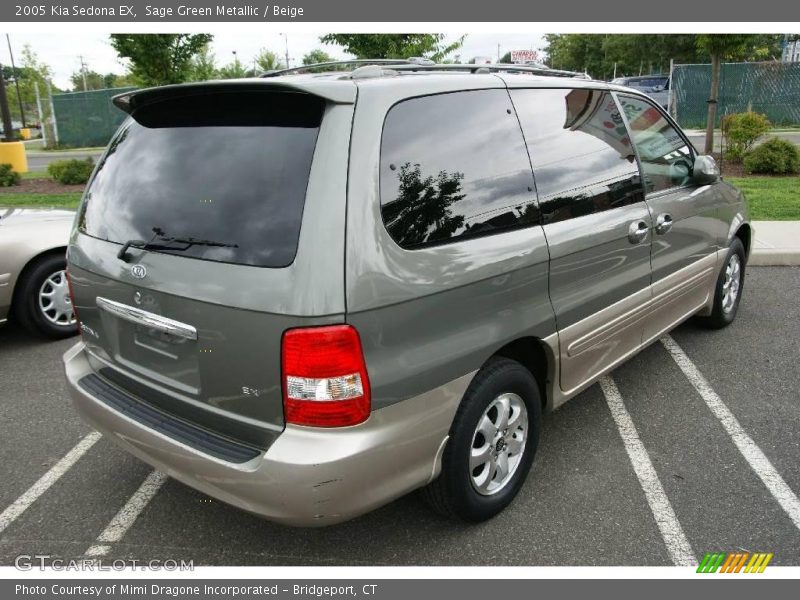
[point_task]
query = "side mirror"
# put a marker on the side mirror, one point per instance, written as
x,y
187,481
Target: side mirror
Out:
x,y
705,170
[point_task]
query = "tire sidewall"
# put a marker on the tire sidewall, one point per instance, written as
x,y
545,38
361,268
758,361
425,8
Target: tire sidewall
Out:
x,y
27,297
506,377
736,247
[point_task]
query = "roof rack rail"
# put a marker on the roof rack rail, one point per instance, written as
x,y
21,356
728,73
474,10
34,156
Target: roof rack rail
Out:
x,y
338,63
491,68
422,64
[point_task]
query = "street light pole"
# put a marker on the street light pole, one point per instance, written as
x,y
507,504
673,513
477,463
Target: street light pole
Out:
x,y
16,81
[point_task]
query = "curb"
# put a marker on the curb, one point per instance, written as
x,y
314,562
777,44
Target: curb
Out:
x,y
774,257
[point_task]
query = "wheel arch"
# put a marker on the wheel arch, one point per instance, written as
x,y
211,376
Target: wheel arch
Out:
x,y
745,234
536,356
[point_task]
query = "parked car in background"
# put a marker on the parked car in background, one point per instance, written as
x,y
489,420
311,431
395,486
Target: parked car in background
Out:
x,y
328,290
33,282
655,86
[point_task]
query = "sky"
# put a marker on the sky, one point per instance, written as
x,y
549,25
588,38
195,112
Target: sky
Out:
x,y
63,51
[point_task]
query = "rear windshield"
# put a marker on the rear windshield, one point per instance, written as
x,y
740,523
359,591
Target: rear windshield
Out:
x,y
215,176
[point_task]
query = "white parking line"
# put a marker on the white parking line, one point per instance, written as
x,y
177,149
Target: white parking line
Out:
x,y
127,515
749,449
22,503
671,531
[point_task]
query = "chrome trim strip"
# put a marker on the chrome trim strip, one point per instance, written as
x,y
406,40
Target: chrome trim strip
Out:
x,y
147,319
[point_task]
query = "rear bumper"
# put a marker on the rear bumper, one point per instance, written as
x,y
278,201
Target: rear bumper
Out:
x,y
308,476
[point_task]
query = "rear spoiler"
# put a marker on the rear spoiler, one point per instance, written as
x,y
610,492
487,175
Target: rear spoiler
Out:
x,y
338,92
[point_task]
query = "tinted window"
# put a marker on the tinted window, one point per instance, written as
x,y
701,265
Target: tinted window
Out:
x,y
454,166
228,170
582,157
666,157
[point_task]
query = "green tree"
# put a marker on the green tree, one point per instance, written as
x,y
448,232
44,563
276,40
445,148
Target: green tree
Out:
x,y
267,60
30,72
94,81
642,54
233,70
204,65
317,56
394,45
631,54
719,46
159,58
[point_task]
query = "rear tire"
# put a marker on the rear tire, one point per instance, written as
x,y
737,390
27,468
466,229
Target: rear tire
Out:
x,y
483,465
728,291
41,300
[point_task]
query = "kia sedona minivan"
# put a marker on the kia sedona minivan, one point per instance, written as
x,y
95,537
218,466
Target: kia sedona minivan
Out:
x,y
308,294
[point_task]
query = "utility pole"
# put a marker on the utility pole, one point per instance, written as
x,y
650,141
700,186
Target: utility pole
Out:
x,y
83,71
8,132
286,41
16,82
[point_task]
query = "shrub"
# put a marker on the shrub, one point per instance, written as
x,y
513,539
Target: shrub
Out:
x,y
775,156
741,130
8,176
71,172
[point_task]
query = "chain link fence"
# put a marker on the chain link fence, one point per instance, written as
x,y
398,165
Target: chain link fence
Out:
x,y
87,118
770,88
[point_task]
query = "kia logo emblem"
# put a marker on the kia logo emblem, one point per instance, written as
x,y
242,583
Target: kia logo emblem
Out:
x,y
139,271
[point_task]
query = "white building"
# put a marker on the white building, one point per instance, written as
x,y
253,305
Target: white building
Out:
x,y
791,50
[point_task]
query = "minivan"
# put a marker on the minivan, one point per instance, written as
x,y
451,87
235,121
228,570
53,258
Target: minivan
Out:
x,y
308,294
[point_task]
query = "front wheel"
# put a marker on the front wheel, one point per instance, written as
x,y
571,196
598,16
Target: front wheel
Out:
x,y
728,291
492,443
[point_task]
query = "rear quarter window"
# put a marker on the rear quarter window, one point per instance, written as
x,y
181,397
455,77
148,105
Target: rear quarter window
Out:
x,y
226,171
454,166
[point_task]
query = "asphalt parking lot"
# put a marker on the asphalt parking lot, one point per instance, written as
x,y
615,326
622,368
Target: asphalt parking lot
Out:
x,y
588,500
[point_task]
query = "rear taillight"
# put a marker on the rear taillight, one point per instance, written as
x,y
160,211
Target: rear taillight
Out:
x,y
324,377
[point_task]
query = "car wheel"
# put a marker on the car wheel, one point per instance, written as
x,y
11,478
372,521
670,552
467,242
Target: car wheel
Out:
x,y
728,291
41,301
492,443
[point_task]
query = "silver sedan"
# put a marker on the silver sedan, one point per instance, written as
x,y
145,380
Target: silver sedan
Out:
x,y
33,281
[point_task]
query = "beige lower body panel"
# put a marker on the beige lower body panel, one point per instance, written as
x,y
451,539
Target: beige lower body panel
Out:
x,y
596,345
308,476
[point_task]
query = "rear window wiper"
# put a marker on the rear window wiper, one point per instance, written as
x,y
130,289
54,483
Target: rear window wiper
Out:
x,y
164,244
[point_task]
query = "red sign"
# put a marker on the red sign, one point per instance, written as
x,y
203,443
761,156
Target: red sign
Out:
x,y
520,57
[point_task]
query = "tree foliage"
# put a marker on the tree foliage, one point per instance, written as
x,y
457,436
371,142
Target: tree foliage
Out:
x,y
394,45
98,81
30,72
160,58
267,60
317,56
636,54
234,70
203,65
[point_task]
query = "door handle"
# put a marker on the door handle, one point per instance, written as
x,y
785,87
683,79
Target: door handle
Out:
x,y
663,223
637,231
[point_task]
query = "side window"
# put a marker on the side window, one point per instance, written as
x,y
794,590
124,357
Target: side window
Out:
x,y
454,166
582,157
666,158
